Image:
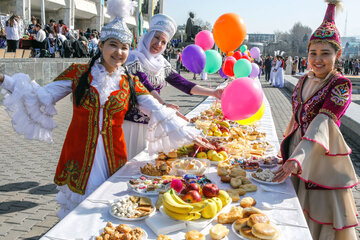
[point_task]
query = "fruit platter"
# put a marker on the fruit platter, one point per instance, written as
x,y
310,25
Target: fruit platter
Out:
x,y
145,185
195,204
188,165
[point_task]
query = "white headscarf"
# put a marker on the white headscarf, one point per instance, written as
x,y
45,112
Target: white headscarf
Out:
x,y
152,64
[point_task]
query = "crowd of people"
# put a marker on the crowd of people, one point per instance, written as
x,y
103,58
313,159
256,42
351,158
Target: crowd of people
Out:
x,y
52,40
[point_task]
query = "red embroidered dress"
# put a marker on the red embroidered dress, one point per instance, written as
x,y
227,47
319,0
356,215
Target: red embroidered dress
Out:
x,y
75,163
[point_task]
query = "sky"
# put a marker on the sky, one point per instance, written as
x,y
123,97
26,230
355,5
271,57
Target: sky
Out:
x,y
267,16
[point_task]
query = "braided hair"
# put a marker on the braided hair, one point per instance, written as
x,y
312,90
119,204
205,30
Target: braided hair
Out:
x,y
84,85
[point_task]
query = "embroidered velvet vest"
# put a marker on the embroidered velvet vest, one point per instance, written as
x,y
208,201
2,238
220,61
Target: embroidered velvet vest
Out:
x,y
79,148
333,99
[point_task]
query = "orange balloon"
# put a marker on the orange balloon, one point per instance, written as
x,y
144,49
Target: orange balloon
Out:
x,y
229,31
229,54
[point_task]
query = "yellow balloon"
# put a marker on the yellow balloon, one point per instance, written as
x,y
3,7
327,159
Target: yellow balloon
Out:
x,y
254,118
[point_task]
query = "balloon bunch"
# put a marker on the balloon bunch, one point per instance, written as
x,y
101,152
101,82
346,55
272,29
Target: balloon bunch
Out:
x,y
242,99
200,57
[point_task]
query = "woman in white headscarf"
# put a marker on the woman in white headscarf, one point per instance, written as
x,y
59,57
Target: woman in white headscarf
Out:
x,y
153,70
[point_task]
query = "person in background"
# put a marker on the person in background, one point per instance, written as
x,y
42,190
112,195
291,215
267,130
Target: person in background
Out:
x,y
87,33
178,61
13,33
31,29
51,27
93,44
314,151
82,37
62,28
356,67
268,66
295,66
2,37
39,37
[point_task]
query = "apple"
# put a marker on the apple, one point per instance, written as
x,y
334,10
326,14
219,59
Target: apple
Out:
x,y
217,157
192,196
201,155
192,186
210,153
210,190
221,149
224,154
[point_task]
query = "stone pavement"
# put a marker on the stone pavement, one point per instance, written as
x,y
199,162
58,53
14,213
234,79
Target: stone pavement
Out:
x,y
27,208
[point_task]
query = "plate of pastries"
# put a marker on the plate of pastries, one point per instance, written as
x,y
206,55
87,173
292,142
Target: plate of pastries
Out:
x,y
122,232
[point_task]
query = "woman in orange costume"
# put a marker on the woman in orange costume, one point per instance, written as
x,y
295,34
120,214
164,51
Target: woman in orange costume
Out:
x,y
313,148
103,91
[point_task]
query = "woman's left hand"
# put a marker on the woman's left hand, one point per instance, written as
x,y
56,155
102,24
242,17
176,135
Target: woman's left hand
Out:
x,y
173,106
179,114
218,93
203,142
286,170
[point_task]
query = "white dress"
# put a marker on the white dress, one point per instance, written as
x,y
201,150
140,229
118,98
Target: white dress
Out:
x,y
279,75
272,73
31,108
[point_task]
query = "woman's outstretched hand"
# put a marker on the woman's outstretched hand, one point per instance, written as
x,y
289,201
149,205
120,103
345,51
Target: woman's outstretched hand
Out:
x,y
203,142
286,170
173,106
218,93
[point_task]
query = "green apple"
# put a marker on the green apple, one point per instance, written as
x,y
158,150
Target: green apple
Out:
x,y
201,155
217,157
210,153
224,154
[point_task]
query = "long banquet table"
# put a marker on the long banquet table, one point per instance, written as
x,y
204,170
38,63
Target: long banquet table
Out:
x,y
90,217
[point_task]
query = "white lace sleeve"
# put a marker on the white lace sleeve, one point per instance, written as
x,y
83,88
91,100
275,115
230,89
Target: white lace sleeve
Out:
x,y
31,107
166,131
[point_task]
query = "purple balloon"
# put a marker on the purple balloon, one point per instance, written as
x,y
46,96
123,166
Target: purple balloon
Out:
x,y
255,70
222,74
194,58
255,52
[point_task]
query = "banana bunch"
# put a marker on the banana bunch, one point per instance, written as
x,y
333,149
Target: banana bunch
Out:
x,y
223,123
176,208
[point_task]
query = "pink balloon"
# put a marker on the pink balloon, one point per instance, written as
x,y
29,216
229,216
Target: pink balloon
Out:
x,y
241,99
205,40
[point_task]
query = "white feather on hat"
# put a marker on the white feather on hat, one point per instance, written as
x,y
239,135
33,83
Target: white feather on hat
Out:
x,y
121,8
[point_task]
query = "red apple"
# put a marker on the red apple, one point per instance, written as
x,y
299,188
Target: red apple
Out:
x,y
192,196
210,190
221,149
192,186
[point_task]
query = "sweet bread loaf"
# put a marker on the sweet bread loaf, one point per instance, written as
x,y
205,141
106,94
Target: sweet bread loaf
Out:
x,y
257,218
247,202
265,231
218,232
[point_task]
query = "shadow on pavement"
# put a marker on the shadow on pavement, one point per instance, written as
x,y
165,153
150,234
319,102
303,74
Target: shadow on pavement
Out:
x,y
12,187
15,206
33,238
44,190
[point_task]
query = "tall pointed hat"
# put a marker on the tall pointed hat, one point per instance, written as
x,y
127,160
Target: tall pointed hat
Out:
x,y
117,28
327,30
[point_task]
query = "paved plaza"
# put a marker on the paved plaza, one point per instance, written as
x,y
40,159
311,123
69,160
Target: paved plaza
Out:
x,y
27,208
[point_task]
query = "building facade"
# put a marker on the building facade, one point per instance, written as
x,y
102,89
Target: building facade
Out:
x,y
81,14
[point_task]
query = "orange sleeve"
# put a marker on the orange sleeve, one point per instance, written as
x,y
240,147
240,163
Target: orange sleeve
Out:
x,y
139,87
73,72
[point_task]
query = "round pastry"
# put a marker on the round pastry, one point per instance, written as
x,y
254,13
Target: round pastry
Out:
x,y
265,231
247,202
218,232
250,211
240,223
247,233
257,218
194,235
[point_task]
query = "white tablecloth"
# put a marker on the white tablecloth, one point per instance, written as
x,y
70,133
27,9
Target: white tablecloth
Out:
x,y
89,218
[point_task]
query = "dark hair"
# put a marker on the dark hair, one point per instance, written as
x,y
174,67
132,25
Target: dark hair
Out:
x,y
61,21
33,18
38,25
52,20
84,85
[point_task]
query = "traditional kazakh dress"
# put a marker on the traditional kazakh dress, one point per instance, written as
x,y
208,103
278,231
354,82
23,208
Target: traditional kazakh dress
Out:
x,y
314,140
279,74
272,73
94,147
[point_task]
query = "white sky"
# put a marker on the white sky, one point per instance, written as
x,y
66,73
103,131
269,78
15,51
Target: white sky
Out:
x,y
267,16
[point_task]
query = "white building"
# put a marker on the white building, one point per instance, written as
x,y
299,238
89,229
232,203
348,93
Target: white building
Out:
x,y
80,14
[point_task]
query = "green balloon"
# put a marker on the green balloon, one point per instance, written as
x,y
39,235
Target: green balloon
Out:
x,y
243,48
213,61
242,68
